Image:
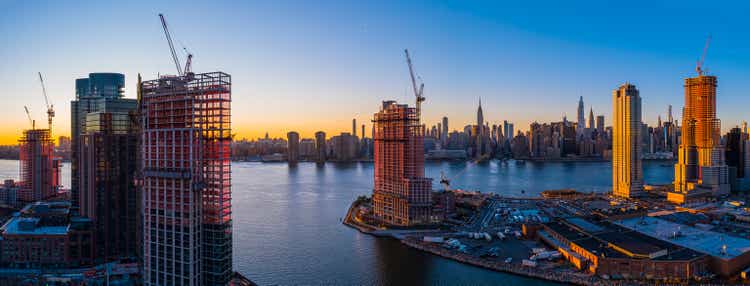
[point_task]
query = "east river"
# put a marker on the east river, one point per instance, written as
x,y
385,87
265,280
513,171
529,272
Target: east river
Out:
x,y
287,228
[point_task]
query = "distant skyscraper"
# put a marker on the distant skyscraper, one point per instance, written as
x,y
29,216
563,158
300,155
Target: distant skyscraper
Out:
x,y
736,156
444,138
627,171
669,113
402,195
744,127
39,170
506,129
591,118
600,124
108,195
99,92
292,147
510,134
186,148
320,145
480,131
354,127
363,131
581,121
701,166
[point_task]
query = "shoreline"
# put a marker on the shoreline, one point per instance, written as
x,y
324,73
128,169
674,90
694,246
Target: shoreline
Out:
x,y
401,236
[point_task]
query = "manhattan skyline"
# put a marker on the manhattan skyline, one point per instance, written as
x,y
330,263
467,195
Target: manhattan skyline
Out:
x,y
320,68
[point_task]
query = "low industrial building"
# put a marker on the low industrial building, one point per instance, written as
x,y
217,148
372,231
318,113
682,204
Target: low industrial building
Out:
x,y
44,235
612,251
728,255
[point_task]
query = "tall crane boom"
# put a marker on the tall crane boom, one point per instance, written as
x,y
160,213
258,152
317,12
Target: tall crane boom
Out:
x,y
28,114
50,108
417,91
171,45
699,65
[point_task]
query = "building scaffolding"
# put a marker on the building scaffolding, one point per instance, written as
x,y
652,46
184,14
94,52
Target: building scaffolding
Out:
x,y
402,195
186,141
38,168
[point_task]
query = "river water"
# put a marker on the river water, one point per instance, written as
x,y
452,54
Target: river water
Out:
x,y
287,228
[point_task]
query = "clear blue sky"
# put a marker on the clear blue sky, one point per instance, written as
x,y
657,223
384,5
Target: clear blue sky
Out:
x,y
312,65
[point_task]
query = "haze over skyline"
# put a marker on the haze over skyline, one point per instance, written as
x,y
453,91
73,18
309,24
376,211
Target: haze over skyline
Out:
x,y
310,66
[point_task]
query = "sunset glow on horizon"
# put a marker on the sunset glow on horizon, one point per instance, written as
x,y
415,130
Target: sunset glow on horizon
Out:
x,y
311,66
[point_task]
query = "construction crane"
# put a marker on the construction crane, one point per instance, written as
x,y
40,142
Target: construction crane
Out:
x,y
699,65
50,108
188,64
187,70
28,114
445,182
417,91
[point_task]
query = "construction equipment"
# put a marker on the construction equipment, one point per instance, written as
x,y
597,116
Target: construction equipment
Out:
x,y
445,182
187,71
417,91
50,108
28,114
699,65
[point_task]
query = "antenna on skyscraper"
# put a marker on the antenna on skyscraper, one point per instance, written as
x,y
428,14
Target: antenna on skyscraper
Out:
x,y
699,65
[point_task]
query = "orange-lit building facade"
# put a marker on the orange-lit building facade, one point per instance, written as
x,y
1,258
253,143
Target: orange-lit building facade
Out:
x,y
39,170
701,166
185,169
402,195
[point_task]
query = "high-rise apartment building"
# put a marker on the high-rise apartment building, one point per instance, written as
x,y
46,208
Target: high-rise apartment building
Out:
x,y
354,126
39,170
108,196
701,168
99,92
292,147
320,145
591,118
186,179
627,170
402,194
600,125
444,137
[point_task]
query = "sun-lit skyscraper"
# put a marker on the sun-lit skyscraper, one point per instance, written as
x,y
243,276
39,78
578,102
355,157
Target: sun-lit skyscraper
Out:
x,y
186,177
701,168
402,194
627,170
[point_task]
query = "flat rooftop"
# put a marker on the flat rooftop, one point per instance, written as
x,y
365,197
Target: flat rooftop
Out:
x,y
13,227
703,241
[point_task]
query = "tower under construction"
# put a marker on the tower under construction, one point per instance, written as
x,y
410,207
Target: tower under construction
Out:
x,y
402,195
39,170
701,169
186,179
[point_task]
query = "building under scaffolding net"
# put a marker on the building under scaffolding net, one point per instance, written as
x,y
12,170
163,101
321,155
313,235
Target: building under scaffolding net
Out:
x,y
186,179
401,196
39,170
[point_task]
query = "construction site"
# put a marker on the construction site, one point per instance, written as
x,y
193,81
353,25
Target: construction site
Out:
x,y
186,138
